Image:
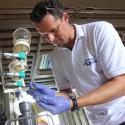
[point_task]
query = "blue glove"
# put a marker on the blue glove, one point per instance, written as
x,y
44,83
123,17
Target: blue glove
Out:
x,y
55,105
42,89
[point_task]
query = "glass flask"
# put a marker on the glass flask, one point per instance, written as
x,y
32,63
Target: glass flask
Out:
x,y
21,40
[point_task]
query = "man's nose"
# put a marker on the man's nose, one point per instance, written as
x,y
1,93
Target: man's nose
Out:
x,y
51,37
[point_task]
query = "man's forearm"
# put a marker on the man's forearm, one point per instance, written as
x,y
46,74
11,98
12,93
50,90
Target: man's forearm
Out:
x,y
113,89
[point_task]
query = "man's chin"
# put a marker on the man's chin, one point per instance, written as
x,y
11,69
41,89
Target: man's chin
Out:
x,y
60,44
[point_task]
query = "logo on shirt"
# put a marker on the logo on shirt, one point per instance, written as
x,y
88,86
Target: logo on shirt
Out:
x,y
89,62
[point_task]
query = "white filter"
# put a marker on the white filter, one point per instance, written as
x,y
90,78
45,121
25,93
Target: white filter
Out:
x,y
21,40
21,45
18,65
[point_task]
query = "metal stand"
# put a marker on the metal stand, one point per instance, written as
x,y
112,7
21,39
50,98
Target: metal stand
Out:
x,y
26,110
25,118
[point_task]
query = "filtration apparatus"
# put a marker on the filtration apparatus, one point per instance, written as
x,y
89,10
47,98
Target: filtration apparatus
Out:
x,y
17,68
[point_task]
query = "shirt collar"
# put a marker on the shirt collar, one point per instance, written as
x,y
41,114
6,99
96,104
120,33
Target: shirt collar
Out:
x,y
79,31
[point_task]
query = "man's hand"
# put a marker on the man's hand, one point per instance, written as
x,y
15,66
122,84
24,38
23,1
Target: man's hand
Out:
x,y
48,100
55,105
42,89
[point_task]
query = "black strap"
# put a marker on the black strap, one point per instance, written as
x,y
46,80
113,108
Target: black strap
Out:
x,y
75,104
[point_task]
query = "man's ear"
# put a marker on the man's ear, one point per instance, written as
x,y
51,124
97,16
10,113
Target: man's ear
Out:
x,y
65,17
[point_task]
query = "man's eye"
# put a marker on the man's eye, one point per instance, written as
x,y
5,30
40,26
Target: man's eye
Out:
x,y
53,30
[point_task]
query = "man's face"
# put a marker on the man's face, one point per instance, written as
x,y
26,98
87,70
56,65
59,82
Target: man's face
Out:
x,y
54,30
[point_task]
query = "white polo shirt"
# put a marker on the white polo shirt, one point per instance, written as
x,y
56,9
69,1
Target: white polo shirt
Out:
x,y
98,55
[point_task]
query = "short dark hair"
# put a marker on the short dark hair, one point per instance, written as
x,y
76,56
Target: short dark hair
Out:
x,y
54,7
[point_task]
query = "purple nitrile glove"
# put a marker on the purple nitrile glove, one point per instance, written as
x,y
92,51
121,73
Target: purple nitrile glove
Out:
x,y
42,89
55,104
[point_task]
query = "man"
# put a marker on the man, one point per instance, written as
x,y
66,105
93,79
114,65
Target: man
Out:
x,y
89,57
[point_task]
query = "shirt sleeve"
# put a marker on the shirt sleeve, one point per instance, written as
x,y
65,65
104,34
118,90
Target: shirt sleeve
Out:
x,y
111,50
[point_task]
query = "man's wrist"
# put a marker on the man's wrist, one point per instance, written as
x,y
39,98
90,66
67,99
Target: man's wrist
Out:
x,y
73,103
61,94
